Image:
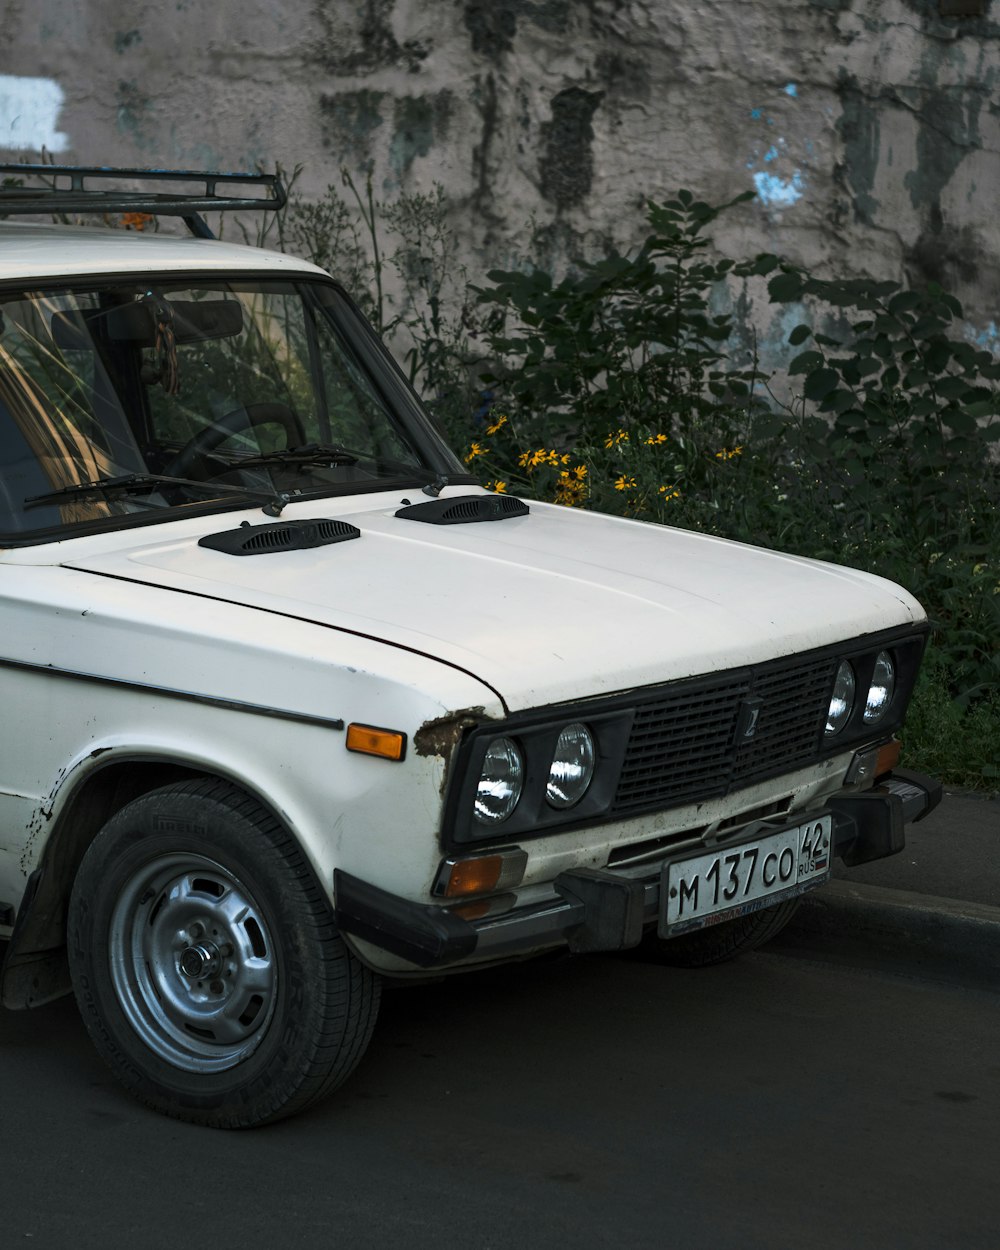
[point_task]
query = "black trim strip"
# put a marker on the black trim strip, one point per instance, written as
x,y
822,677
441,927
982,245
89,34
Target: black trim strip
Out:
x,y
232,705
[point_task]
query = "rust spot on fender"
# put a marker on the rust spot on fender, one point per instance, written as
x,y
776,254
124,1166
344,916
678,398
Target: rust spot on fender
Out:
x,y
441,735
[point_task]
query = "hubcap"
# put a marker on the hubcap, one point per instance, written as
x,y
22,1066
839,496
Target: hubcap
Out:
x,y
201,961
193,963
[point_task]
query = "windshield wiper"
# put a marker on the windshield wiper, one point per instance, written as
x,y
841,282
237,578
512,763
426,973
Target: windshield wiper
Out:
x,y
136,483
311,453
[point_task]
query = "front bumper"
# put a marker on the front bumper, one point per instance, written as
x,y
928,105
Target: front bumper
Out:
x,y
598,909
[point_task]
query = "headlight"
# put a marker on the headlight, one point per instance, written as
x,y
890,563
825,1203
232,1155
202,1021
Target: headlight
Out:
x,y
500,782
881,690
842,703
572,766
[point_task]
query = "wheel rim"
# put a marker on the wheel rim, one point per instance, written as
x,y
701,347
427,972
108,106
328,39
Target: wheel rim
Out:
x,y
192,963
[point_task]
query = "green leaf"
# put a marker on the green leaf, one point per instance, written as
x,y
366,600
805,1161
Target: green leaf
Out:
x,y
889,325
806,361
928,326
764,263
820,383
951,387
959,421
785,287
839,401
771,427
938,356
882,347
905,301
799,334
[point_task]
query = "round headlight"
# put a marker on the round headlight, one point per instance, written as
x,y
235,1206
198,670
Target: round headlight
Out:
x,y
500,782
572,766
842,703
881,690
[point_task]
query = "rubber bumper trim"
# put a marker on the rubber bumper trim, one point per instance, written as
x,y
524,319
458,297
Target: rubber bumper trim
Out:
x,y
423,934
870,825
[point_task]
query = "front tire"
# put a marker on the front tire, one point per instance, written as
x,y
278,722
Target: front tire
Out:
x,y
206,963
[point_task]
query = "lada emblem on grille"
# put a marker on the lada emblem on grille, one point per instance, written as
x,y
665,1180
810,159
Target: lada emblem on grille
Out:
x,y
746,725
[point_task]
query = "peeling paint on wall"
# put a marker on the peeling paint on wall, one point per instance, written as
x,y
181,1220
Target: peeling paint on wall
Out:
x,y
360,40
859,127
493,24
567,166
869,129
29,114
131,112
349,121
418,123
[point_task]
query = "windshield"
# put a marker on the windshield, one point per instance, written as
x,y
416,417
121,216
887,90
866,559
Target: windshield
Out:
x,y
257,386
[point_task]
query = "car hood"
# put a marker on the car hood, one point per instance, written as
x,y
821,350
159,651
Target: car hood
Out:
x,y
544,608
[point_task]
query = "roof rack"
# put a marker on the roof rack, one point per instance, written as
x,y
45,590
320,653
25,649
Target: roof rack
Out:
x,y
78,197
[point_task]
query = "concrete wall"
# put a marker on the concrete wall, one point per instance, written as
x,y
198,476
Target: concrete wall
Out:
x,y
870,129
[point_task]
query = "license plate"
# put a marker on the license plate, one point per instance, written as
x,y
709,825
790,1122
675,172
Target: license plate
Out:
x,y
735,880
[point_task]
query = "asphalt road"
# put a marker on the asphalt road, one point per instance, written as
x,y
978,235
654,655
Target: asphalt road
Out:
x,y
780,1101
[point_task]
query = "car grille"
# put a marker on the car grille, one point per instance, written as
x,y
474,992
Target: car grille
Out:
x,y
691,742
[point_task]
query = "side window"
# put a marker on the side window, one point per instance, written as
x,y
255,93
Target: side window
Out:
x,y
60,419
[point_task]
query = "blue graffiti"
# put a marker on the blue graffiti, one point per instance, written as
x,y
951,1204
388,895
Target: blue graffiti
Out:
x,y
791,90
776,192
987,339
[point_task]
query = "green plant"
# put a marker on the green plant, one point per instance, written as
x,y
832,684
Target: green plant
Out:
x,y
907,415
626,341
957,741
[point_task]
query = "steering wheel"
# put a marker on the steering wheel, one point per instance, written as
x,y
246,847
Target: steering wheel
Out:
x,y
196,449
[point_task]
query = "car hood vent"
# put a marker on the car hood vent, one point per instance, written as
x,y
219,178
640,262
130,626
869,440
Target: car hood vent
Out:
x,y
256,540
465,509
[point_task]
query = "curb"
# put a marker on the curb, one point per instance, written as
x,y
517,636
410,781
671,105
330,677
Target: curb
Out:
x,y
939,937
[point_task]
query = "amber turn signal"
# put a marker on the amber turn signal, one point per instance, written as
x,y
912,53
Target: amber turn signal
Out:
x,y
390,744
888,757
480,874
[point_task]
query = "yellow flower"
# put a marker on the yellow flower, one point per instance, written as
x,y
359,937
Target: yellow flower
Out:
x,y
532,459
727,454
498,424
619,436
625,483
655,439
571,488
474,451
498,487
669,492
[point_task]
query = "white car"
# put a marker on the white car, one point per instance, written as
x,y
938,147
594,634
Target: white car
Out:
x,y
291,704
